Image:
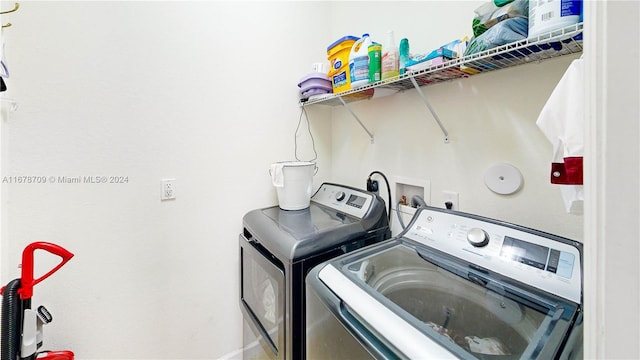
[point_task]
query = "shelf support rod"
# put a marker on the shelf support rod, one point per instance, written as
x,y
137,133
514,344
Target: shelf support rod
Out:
x,y
433,113
356,117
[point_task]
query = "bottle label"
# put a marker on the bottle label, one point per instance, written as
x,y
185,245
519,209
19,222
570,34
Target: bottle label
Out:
x,y
389,65
339,79
389,62
359,68
375,63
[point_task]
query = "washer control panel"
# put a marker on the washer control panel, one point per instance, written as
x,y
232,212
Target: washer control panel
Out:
x,y
545,261
344,199
477,237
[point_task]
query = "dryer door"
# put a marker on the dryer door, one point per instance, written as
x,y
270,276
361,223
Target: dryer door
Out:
x,y
262,300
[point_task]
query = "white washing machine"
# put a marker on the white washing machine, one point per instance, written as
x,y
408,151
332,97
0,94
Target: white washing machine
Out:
x,y
452,285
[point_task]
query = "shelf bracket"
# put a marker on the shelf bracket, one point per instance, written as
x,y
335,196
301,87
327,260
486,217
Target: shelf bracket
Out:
x,y
433,113
344,103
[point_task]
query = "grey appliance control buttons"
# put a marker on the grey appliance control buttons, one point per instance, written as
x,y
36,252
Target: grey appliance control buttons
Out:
x,y
477,237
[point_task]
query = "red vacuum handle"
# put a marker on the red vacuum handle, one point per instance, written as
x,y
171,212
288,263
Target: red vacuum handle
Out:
x,y
56,355
27,282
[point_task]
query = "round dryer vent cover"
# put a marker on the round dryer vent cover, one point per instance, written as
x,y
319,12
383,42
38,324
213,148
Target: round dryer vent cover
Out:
x,y
503,179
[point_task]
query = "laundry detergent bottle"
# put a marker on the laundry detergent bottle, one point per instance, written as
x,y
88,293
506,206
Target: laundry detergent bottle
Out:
x,y
390,57
359,62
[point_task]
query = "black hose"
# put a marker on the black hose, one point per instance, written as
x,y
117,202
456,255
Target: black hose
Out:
x,y
11,321
417,201
388,192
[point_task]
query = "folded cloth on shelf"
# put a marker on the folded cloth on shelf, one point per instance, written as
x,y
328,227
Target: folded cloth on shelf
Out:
x,y
562,121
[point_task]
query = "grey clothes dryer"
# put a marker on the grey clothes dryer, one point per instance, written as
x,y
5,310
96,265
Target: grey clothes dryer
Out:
x,y
277,250
452,285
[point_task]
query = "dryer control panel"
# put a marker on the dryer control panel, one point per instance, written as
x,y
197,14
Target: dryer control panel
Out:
x,y
545,261
344,199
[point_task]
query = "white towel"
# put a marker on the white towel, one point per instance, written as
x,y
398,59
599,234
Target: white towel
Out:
x,y
562,121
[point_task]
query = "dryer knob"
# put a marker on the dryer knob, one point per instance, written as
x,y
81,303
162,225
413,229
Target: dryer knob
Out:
x,y
477,237
340,195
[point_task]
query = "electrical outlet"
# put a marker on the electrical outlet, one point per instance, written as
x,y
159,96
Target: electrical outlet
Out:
x,y
450,196
168,189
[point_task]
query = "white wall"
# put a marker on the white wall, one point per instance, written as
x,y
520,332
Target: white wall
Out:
x,y
203,92
487,124
612,202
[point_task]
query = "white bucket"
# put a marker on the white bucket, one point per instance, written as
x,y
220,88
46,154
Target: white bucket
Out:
x,y
293,181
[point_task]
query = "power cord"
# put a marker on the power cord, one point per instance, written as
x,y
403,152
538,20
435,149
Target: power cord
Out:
x,y
295,136
372,185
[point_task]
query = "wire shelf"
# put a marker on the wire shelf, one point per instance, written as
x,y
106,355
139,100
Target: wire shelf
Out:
x,y
564,41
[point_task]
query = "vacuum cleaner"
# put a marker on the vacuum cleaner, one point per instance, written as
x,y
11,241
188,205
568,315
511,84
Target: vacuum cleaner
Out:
x,y
21,327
